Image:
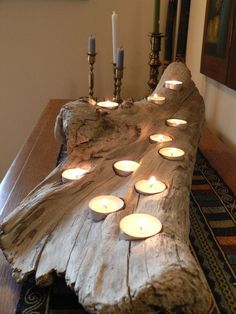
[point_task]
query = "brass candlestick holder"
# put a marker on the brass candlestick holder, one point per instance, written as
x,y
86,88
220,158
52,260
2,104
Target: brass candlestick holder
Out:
x,y
154,61
115,79
91,61
118,82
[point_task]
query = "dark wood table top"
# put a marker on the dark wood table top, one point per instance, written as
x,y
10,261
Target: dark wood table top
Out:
x,y
32,164
38,157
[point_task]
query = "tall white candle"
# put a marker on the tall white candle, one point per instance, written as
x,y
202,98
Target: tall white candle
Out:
x,y
114,19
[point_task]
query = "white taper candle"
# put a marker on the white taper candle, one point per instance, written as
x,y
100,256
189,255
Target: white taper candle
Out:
x,y
114,34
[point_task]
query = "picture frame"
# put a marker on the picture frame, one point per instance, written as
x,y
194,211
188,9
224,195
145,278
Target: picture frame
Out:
x,y
218,47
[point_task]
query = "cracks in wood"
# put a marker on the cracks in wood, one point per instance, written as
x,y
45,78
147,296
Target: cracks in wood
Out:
x,y
145,258
127,275
68,280
128,260
89,258
75,240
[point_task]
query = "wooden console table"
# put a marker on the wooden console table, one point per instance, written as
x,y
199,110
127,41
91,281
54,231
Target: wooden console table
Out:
x,y
37,158
34,161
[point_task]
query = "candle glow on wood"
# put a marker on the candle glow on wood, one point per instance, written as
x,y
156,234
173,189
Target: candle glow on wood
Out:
x,y
150,186
139,226
172,153
125,167
160,138
73,174
173,84
157,99
103,205
180,123
108,104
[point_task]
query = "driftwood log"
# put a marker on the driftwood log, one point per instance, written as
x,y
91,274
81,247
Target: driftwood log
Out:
x,y
51,231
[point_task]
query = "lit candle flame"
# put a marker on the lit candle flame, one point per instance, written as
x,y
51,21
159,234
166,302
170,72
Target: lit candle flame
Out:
x,y
152,181
126,165
173,152
142,223
104,203
161,138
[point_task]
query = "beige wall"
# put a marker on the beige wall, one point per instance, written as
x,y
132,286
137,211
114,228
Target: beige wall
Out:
x,y
43,55
220,101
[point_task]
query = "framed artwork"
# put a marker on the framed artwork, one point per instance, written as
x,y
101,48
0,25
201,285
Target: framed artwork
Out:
x,y
218,46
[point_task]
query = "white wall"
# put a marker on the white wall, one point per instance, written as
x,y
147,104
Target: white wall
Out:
x,y
43,56
220,100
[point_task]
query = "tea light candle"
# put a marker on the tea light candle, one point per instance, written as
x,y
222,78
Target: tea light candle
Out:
x,y
73,174
139,226
172,153
103,205
157,99
108,104
160,138
149,187
175,85
182,124
125,167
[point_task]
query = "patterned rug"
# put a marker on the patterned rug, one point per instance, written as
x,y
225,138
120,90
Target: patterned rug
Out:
x,y
213,241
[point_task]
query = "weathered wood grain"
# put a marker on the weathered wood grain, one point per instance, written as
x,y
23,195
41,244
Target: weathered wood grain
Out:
x,y
51,230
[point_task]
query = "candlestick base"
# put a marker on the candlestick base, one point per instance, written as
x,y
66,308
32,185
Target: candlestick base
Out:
x,y
115,80
154,61
91,61
118,82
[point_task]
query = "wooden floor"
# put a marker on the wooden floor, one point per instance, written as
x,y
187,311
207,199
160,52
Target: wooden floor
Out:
x,y
37,158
